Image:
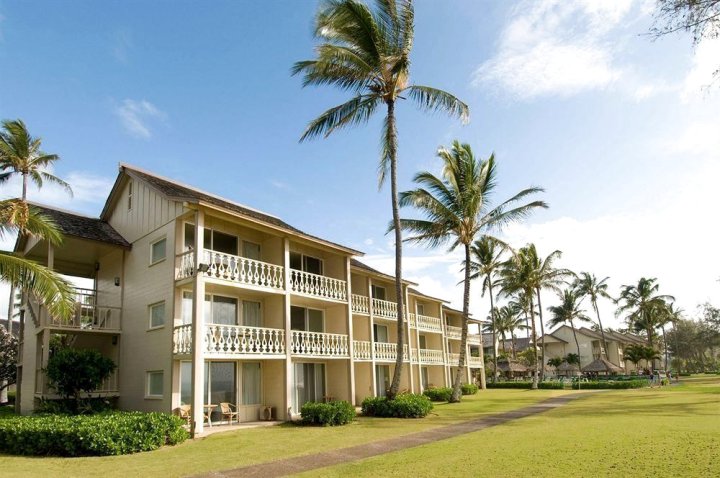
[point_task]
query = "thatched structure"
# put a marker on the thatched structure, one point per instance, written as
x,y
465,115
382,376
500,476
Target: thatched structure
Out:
x,y
567,369
602,365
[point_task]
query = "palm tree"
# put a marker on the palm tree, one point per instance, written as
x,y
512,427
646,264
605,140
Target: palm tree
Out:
x,y
507,321
20,153
587,285
555,362
366,51
487,252
457,208
635,353
568,312
669,315
643,305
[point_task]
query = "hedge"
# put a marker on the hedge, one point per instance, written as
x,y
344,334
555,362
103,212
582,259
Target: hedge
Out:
x,y
116,433
327,414
526,385
438,394
406,405
469,389
610,385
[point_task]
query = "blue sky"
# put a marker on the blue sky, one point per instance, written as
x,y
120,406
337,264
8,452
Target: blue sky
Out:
x,y
569,95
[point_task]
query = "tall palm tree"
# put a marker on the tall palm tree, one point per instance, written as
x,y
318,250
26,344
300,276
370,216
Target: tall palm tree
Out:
x,y
568,312
487,252
457,208
366,51
643,306
508,319
587,285
20,153
669,314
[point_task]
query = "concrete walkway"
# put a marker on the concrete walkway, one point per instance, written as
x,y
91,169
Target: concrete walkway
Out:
x,y
304,463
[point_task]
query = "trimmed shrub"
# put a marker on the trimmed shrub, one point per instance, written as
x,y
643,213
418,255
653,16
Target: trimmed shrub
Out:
x,y
406,405
116,433
327,414
623,385
526,385
438,394
86,406
469,389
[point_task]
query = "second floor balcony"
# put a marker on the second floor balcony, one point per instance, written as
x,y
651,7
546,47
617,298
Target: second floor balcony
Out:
x,y
231,268
88,315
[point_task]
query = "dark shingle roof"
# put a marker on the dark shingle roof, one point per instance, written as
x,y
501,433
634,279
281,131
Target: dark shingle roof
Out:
x,y
83,227
360,265
180,192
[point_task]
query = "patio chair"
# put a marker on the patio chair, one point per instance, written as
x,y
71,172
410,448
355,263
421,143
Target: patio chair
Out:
x,y
184,413
229,411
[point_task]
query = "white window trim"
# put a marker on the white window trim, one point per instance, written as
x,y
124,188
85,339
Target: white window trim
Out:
x,y
159,239
302,262
150,309
130,196
147,385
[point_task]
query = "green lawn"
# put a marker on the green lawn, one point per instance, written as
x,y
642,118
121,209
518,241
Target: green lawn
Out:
x,y
245,447
668,432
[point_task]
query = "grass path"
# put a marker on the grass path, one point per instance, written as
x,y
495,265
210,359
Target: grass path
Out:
x,y
668,432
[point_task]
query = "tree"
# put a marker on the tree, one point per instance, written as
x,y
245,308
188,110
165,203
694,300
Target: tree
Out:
x,y
587,285
73,371
20,153
457,207
507,321
487,252
636,353
8,359
367,52
568,312
643,306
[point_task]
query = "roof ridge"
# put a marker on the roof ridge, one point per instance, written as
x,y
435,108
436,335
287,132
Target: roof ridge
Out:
x,y
59,209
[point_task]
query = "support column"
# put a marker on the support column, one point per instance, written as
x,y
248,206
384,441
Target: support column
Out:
x,y
351,344
467,363
371,320
446,347
417,341
198,336
407,336
288,332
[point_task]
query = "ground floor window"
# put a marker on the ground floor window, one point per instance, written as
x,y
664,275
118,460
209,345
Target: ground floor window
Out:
x,y
224,382
382,380
424,377
309,384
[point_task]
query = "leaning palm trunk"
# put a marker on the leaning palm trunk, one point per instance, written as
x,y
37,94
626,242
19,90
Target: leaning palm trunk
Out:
x,y
494,331
534,343
542,336
457,391
392,152
665,346
577,344
602,331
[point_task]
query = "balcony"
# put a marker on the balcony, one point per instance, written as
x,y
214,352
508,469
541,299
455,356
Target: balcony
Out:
x,y
236,269
362,350
360,304
475,362
88,316
452,332
474,339
315,285
387,352
232,340
470,361
318,344
424,322
384,309
432,357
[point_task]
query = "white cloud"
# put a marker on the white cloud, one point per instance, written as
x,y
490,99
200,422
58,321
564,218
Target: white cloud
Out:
x,y
699,81
556,47
135,116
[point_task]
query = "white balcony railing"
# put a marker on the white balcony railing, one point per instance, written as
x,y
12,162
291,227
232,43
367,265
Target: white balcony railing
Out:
x,y
453,359
243,270
470,361
231,340
474,339
387,352
318,344
475,362
453,332
362,350
88,315
184,265
424,322
384,309
360,304
430,356
318,286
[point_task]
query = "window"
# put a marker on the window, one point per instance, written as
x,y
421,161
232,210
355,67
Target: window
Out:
x,y
305,263
212,239
378,292
424,377
157,251
382,380
221,310
251,314
380,332
421,309
251,250
309,320
309,384
154,387
130,195
157,315
423,342
251,386
186,307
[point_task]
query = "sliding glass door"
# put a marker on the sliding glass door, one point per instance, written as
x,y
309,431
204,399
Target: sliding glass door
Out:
x,y
309,384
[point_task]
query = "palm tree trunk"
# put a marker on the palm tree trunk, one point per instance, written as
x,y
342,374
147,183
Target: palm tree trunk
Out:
x,y
24,186
577,344
542,336
494,330
392,151
512,340
534,341
602,331
665,345
457,393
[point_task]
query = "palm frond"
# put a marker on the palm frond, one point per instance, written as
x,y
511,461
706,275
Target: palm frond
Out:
x,y
433,99
357,110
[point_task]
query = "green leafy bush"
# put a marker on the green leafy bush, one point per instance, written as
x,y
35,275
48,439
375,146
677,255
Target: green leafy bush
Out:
x,y
438,394
87,406
116,433
405,405
622,385
469,389
72,371
327,414
526,385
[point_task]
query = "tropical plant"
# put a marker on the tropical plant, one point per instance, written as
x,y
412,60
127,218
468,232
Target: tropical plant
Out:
x,y
555,362
8,359
669,315
508,319
20,153
568,312
366,51
643,305
572,359
72,371
636,353
487,252
587,285
457,208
